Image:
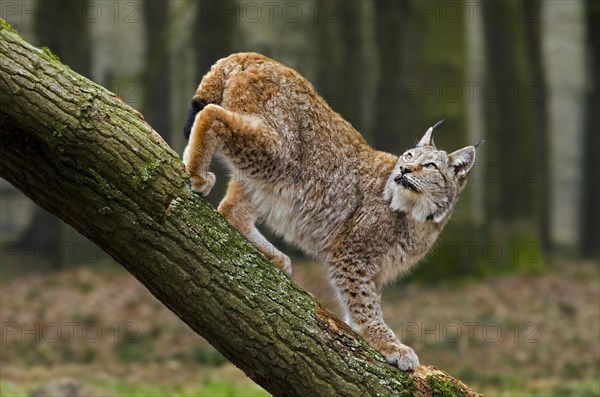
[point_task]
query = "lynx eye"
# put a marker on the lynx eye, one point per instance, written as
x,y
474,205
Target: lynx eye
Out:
x,y
408,156
430,166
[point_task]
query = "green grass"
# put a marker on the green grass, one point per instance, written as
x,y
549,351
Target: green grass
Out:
x,y
576,389
208,388
9,389
213,388
204,388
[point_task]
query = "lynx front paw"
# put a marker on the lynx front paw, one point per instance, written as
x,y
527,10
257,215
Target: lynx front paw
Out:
x,y
283,262
401,356
203,184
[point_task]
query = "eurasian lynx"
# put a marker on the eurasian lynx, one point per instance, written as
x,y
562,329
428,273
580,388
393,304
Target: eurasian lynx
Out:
x,y
305,172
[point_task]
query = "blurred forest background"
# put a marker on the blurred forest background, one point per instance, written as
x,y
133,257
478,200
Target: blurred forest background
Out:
x,y
523,243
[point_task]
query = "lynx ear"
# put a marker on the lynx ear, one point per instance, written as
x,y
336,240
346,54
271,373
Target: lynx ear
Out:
x,y
427,139
462,161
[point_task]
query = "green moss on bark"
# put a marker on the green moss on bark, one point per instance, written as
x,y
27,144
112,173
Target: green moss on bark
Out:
x,y
50,54
442,387
6,26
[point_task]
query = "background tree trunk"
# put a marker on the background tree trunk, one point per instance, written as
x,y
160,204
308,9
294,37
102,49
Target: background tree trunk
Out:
x,y
81,153
46,231
156,99
182,58
475,73
564,53
388,96
590,233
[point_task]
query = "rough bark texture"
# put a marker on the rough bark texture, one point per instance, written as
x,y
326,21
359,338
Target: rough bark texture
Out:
x,y
80,152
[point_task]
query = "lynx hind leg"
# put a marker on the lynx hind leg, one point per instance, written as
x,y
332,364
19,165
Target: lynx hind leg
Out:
x,y
237,208
252,145
199,151
361,299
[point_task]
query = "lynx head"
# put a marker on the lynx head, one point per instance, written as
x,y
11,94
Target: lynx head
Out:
x,y
426,182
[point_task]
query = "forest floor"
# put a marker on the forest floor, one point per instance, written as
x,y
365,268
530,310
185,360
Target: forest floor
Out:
x,y
98,330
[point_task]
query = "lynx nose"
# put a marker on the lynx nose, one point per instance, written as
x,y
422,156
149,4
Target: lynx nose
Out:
x,y
405,169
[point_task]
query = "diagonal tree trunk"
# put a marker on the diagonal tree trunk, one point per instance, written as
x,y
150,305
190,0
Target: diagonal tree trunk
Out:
x,y
80,152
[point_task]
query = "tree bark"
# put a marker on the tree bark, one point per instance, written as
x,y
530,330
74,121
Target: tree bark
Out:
x,y
80,152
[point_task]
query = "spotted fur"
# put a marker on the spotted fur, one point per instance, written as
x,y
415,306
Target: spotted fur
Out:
x,y
305,172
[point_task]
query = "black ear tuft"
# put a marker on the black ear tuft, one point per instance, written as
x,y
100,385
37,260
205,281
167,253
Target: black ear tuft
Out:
x,y
438,123
196,106
427,139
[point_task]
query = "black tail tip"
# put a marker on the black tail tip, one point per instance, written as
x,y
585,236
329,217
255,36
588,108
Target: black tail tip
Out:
x,y
195,107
